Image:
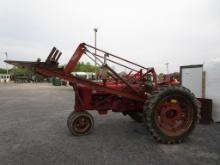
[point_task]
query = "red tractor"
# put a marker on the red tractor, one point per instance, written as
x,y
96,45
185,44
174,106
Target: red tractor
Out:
x,y
168,110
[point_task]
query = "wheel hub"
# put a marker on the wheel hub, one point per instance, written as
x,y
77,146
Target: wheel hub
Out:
x,y
173,115
81,124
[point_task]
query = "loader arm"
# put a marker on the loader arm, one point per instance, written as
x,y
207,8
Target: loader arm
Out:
x,y
75,58
50,68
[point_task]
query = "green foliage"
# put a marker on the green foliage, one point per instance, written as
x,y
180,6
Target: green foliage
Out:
x,y
82,67
160,76
3,71
20,70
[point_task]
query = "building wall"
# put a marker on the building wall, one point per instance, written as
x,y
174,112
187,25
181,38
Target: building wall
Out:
x,y
191,78
4,78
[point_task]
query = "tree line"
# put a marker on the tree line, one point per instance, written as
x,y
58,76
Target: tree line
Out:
x,y
80,67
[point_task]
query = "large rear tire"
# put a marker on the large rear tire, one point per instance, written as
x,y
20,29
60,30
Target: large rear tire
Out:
x,y
171,114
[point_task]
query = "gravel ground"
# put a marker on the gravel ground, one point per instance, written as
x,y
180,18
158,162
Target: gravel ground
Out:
x,y
33,131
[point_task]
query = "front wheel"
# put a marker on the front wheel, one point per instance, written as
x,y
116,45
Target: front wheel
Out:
x,y
171,114
80,123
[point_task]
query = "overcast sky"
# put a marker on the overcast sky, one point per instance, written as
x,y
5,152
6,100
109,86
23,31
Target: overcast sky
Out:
x,y
149,32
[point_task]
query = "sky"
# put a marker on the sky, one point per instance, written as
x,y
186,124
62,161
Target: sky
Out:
x,y
148,32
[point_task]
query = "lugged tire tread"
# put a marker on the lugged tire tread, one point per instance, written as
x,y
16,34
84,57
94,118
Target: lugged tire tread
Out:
x,y
149,109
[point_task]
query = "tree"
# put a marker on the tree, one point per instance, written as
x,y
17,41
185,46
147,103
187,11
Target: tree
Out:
x,y
3,71
82,67
20,70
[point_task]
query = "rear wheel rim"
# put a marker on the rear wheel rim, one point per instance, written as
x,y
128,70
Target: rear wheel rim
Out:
x,y
174,115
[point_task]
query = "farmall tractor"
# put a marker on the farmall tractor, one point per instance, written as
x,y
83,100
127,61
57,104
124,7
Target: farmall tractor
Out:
x,y
169,111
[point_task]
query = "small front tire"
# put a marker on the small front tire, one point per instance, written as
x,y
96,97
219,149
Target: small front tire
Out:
x,y
80,123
